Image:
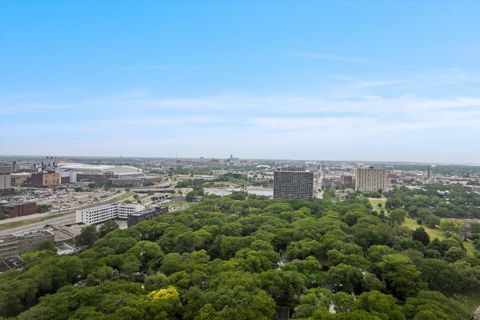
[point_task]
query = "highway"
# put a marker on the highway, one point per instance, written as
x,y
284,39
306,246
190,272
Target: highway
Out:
x,y
59,220
67,217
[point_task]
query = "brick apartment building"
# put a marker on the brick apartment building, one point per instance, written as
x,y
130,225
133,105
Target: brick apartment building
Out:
x,y
45,179
19,209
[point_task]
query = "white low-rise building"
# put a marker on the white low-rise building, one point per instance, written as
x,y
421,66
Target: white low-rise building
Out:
x,y
107,212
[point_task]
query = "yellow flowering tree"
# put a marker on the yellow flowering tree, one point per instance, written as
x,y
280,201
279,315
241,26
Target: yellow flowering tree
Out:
x,y
168,292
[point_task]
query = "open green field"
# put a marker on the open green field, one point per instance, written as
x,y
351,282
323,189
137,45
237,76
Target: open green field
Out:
x,y
435,233
432,233
470,248
375,201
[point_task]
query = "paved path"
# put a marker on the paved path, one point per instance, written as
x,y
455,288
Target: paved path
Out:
x,y
476,314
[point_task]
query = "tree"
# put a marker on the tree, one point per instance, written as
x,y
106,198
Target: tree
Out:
x,y
454,253
310,268
432,221
393,203
401,276
421,235
285,287
397,216
235,295
44,208
440,275
450,226
379,303
232,259
107,227
475,227
434,305
87,236
345,277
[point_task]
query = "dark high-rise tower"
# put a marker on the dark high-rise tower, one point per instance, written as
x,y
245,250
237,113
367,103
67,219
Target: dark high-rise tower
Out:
x,y
292,183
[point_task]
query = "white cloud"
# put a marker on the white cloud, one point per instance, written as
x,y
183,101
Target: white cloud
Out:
x,y
356,118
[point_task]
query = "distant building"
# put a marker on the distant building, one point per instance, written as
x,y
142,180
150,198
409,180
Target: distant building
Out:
x,y
5,168
346,180
94,178
98,214
102,174
5,181
19,209
140,216
127,181
292,183
18,179
30,241
370,179
45,179
8,246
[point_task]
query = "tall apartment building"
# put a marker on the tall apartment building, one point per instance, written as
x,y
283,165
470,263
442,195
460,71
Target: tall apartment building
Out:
x,y
346,179
5,181
5,168
292,183
370,179
107,212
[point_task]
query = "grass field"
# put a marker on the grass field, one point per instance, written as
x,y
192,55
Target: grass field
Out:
x,y
435,233
432,233
375,201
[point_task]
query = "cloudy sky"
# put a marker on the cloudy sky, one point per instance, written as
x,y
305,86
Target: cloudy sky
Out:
x,y
301,80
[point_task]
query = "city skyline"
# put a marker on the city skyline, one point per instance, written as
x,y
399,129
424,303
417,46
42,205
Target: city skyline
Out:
x,y
258,80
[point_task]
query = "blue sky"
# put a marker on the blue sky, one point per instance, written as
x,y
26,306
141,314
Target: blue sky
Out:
x,y
301,80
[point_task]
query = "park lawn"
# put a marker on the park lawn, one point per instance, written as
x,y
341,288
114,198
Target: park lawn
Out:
x,y
432,233
375,201
470,250
435,233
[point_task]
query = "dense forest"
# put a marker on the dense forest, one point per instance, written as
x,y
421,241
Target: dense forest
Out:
x,y
240,257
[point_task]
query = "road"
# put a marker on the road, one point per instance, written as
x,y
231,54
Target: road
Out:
x,y
60,220
318,185
64,218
